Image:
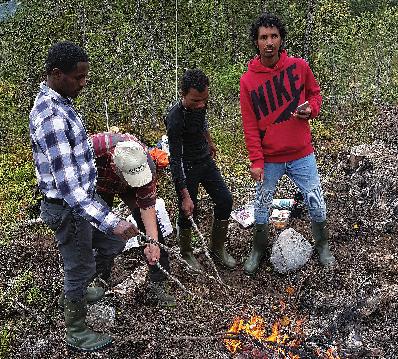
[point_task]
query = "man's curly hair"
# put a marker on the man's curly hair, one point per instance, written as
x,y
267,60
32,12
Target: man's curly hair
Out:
x,y
64,56
267,20
193,79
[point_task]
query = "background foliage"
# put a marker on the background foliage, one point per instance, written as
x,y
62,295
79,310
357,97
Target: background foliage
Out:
x,y
134,46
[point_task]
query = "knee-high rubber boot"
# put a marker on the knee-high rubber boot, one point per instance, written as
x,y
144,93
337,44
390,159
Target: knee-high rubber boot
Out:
x,y
78,336
321,236
217,244
259,248
94,295
184,237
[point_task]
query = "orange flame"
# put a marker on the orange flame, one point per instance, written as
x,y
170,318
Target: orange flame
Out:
x,y
255,327
331,354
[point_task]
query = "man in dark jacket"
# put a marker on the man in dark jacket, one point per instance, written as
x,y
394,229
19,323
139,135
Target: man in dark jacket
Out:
x,y
192,153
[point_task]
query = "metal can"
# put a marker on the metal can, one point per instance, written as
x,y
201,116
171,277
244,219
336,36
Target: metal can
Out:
x,y
279,218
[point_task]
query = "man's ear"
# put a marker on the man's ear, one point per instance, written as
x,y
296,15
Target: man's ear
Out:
x,y
56,73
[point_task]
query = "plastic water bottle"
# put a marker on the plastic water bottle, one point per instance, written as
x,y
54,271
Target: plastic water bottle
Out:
x,y
283,203
165,144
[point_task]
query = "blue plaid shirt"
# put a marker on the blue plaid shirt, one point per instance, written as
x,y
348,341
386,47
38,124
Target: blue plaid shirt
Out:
x,y
65,165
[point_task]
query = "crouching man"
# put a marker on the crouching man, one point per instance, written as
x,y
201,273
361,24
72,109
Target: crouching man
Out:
x,y
126,169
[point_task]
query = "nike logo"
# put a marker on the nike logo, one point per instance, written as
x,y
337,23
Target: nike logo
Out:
x,y
283,85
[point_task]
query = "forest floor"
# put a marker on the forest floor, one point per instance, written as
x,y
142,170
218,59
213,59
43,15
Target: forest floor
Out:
x,y
348,311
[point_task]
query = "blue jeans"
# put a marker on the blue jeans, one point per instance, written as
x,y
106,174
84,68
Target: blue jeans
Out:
x,y
304,173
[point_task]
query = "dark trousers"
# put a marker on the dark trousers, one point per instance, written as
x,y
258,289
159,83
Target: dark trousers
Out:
x,y
76,239
155,274
205,172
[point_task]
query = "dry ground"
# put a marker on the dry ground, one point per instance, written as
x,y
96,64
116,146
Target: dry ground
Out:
x,y
351,307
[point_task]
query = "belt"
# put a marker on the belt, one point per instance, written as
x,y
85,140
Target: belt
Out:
x,y
58,201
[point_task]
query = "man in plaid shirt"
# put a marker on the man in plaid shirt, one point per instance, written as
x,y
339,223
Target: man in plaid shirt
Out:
x,y
139,199
66,174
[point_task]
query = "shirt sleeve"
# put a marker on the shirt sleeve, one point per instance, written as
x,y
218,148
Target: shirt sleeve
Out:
x,y
56,144
250,128
174,134
146,195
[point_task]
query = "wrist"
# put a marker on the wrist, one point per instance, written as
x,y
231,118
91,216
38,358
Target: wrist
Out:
x,y
184,194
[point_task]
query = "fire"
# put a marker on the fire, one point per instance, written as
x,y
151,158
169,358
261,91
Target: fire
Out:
x,y
331,354
277,342
256,329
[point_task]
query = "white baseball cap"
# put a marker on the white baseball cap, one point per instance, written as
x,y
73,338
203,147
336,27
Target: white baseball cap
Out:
x,y
130,158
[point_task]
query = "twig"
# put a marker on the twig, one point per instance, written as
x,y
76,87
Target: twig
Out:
x,y
207,252
220,336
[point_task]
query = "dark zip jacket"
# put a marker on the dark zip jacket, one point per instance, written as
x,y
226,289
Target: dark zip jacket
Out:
x,y
186,131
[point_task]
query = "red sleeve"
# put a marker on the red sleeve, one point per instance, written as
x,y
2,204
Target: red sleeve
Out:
x,y
250,128
146,195
312,92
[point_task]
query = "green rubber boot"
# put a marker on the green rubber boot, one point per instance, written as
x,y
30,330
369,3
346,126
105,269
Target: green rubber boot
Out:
x,y
184,237
321,236
78,336
259,249
217,244
94,295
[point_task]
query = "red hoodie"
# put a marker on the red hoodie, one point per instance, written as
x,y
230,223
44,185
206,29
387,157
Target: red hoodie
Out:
x,y
268,96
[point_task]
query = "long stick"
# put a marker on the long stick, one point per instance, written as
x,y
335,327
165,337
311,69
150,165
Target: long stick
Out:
x,y
204,247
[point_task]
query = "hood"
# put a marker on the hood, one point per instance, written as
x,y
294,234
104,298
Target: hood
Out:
x,y
255,64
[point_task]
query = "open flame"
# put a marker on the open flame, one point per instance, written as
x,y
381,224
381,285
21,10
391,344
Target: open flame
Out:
x,y
276,342
256,329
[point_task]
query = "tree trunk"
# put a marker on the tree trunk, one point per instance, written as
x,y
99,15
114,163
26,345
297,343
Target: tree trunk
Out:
x,y
311,7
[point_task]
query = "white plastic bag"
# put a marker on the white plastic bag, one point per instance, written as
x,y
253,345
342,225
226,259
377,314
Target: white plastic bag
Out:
x,y
290,251
163,219
244,215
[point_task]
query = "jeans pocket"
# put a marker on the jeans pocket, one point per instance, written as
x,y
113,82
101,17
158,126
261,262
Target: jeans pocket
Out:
x,y
51,214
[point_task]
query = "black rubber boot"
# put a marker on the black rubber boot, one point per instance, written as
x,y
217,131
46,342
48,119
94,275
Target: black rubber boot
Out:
x,y
321,236
184,237
217,244
158,294
259,248
94,295
78,336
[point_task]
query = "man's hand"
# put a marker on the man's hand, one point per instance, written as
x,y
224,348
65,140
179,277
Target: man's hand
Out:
x,y
212,146
152,253
304,113
187,205
125,230
213,149
257,174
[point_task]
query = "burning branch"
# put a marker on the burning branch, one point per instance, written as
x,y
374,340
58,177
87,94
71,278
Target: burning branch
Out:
x,y
276,343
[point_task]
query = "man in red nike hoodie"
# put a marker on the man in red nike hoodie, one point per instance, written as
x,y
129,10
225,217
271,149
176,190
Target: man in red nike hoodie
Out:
x,y
278,96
